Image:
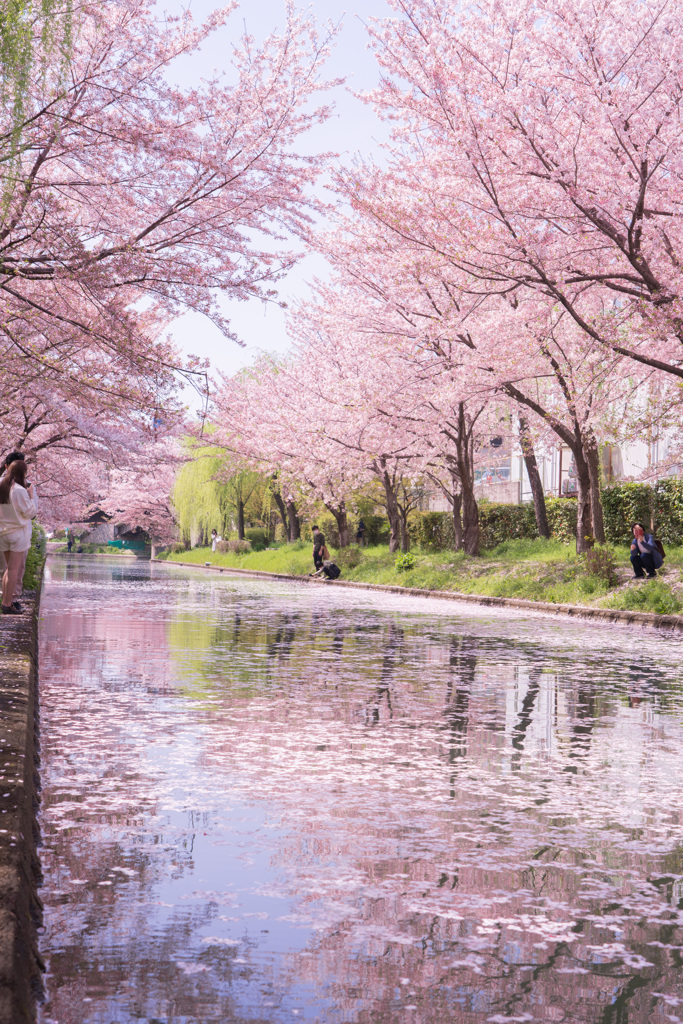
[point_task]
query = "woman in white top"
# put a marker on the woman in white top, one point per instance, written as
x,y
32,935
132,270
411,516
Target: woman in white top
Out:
x,y
17,510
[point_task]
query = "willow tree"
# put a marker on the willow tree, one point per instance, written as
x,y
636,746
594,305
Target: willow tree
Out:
x,y
32,32
211,494
199,500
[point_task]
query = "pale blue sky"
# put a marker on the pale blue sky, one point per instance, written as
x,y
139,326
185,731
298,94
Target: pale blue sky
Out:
x,y
353,129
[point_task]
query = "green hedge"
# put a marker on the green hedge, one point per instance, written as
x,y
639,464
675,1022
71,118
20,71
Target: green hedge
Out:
x,y
376,529
622,504
561,518
432,531
498,523
668,509
257,537
662,503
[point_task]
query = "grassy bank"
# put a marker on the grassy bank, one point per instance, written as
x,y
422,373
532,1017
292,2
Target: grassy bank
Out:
x,y
89,549
535,570
289,558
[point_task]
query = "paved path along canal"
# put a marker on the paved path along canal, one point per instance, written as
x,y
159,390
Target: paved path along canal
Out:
x,y
266,802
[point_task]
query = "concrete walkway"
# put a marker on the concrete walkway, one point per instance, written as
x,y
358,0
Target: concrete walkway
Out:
x,y
20,906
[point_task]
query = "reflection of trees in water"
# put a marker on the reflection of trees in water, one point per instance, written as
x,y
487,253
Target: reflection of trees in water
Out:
x,y
524,718
478,885
110,939
393,646
462,663
584,717
279,648
530,961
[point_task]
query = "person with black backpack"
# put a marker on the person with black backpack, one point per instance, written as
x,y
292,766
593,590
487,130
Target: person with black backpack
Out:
x,y
320,552
329,570
646,552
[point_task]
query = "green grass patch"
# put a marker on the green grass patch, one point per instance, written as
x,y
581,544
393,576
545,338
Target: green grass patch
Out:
x,y
648,596
534,570
296,559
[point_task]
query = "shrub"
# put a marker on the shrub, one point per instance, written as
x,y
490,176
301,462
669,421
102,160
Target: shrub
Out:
x,y
562,516
236,547
349,558
376,529
257,537
623,504
668,510
405,562
35,557
177,548
498,523
601,563
432,531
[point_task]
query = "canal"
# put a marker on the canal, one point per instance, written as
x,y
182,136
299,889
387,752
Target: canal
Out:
x,y
266,802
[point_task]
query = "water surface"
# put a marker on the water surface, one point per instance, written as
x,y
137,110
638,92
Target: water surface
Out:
x,y
266,802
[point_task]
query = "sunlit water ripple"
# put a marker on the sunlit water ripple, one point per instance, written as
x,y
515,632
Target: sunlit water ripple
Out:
x,y
266,802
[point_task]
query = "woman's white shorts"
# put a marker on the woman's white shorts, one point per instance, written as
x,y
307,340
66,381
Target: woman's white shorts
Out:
x,y
16,540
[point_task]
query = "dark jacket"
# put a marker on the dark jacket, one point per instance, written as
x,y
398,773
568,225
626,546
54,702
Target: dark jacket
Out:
x,y
648,543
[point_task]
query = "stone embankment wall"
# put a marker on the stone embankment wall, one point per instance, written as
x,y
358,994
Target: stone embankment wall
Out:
x,y
20,907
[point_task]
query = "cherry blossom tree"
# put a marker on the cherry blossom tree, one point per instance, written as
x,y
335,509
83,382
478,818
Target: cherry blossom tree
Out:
x,y
539,147
133,200
518,351
275,417
142,499
393,403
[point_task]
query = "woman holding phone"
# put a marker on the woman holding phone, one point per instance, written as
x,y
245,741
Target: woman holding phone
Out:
x,y
17,511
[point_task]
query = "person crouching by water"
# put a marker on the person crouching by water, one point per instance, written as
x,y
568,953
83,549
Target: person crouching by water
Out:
x,y
17,510
644,553
320,552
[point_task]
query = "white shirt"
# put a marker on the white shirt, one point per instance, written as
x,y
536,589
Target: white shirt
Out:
x,y
16,517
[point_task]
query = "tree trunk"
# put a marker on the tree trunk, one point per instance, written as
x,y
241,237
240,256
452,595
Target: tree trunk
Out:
x,y
584,518
593,462
294,523
403,526
277,498
470,522
340,516
534,479
240,519
392,510
454,498
470,509
456,507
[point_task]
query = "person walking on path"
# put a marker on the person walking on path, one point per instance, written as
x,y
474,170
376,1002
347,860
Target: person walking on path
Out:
x,y
320,552
18,591
644,553
17,511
